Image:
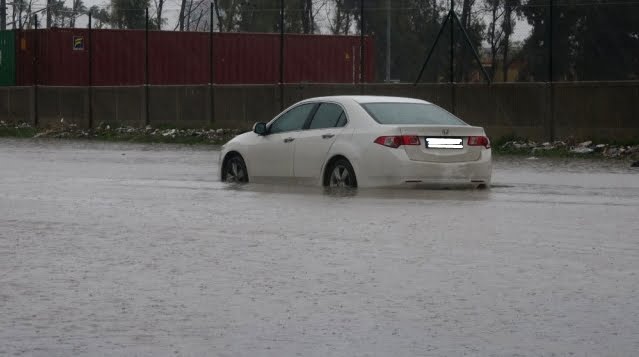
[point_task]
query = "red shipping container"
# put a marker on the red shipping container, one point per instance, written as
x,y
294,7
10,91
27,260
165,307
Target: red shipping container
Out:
x,y
246,58
176,58
179,57
118,57
25,56
62,57
325,59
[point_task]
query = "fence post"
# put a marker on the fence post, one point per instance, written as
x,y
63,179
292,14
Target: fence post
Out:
x,y
281,54
146,68
388,40
211,68
452,58
90,73
551,125
452,44
361,46
36,48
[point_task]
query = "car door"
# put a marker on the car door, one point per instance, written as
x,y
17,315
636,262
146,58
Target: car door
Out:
x,y
313,144
272,155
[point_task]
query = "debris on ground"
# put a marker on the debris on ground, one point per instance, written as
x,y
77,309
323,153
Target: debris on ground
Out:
x,y
583,148
148,133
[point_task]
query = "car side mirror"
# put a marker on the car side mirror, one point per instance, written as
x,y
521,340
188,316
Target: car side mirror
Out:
x,y
259,128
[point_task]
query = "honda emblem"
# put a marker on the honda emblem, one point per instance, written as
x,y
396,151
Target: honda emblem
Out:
x,y
444,131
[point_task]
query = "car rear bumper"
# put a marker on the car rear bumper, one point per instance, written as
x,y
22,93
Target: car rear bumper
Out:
x,y
397,169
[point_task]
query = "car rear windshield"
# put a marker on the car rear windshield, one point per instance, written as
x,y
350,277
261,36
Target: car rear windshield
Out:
x,y
410,113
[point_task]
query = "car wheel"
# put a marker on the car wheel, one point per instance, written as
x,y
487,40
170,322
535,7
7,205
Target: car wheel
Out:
x,y
341,174
234,170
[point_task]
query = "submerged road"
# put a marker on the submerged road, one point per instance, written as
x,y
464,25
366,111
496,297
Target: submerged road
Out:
x,y
127,249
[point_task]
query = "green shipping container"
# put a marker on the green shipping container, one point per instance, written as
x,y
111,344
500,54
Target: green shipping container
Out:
x,y
7,58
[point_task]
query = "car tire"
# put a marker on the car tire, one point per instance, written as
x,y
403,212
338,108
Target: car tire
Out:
x,y
234,170
340,173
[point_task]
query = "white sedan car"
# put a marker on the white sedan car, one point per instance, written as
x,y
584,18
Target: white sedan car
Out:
x,y
360,141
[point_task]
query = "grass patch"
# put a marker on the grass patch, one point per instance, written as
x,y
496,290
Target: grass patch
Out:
x,y
107,132
27,132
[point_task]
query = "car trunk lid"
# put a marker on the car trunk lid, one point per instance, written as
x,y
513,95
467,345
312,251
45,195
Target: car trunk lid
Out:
x,y
443,143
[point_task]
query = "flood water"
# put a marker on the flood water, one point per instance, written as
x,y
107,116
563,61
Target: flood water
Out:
x,y
127,249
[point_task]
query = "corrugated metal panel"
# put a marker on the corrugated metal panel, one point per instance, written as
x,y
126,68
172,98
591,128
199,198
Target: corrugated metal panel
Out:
x,y
7,58
58,63
25,55
246,58
179,57
183,58
118,57
324,59
254,58
64,57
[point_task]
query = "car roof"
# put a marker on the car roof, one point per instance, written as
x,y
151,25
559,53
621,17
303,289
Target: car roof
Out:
x,y
367,99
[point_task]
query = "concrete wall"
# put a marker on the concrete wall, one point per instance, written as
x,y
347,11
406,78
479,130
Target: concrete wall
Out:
x,y
118,105
237,106
16,104
505,109
596,110
55,104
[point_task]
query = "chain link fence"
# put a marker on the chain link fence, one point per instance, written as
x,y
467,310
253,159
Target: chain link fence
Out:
x,y
343,41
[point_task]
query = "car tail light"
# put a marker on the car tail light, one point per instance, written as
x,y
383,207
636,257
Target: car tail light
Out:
x,y
479,141
397,141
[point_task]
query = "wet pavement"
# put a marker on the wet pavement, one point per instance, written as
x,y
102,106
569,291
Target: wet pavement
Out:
x,y
126,249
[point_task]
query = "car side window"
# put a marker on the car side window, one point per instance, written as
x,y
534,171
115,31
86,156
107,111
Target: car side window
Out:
x,y
292,120
328,115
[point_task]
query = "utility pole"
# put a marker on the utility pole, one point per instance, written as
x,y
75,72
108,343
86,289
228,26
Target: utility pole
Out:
x,y
388,40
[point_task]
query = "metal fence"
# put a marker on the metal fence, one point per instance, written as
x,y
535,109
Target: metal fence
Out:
x,y
406,41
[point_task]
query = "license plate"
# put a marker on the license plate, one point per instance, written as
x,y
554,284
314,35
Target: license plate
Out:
x,y
444,143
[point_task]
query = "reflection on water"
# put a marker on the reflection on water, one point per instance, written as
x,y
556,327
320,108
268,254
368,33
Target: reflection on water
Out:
x,y
405,193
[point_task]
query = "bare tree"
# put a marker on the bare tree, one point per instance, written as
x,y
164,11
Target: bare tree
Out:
x,y
22,10
473,27
507,28
341,17
181,18
307,16
495,36
159,6
192,12
226,12
29,18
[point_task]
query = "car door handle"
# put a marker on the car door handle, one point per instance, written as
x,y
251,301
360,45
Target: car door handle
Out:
x,y
327,136
288,140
